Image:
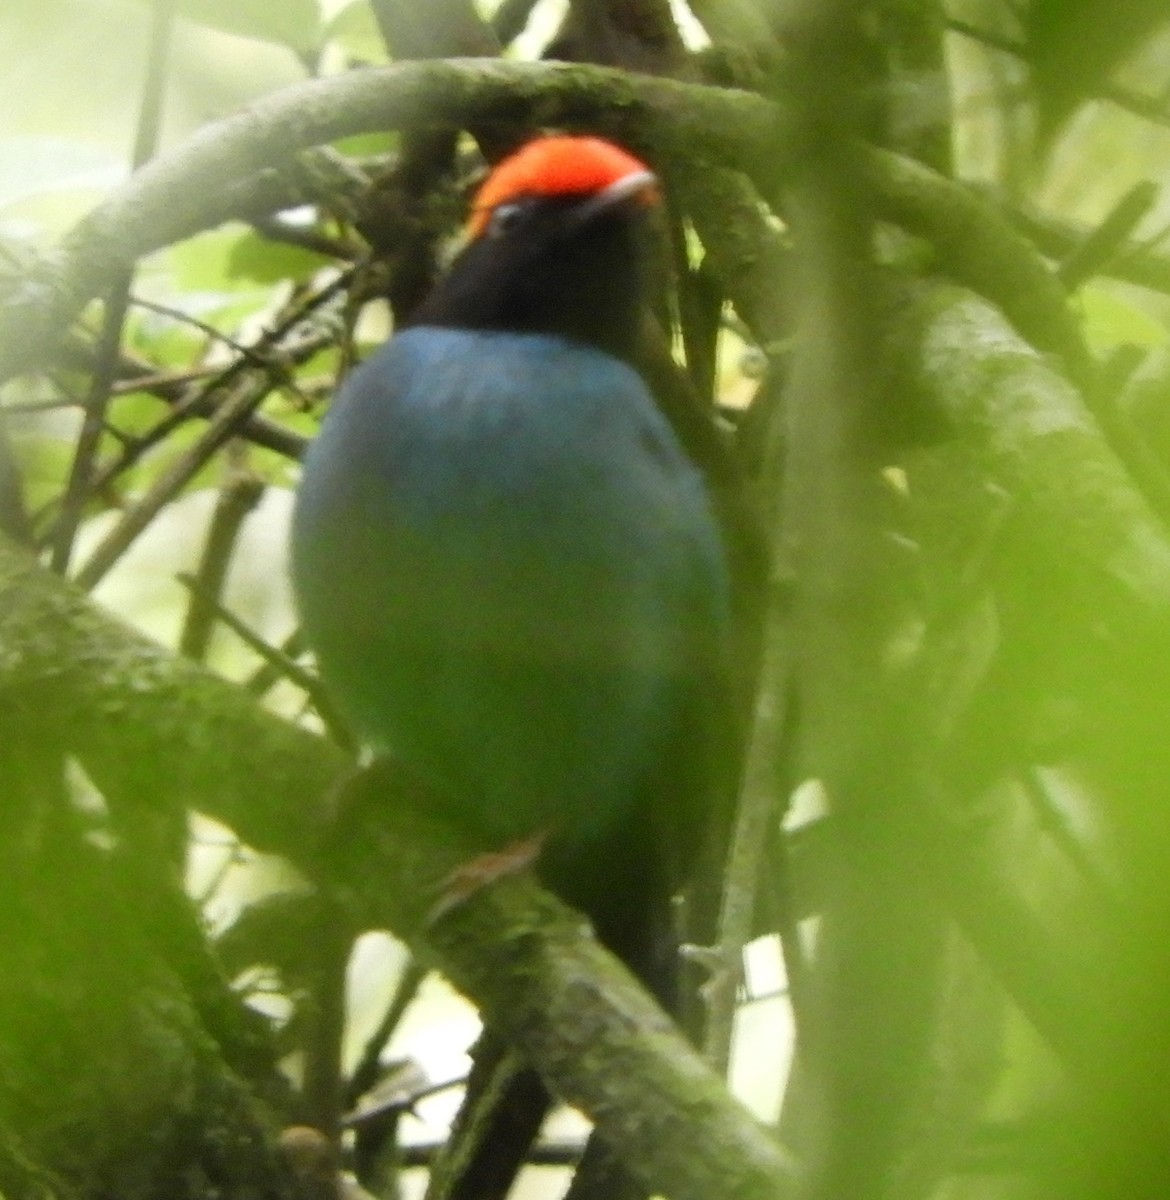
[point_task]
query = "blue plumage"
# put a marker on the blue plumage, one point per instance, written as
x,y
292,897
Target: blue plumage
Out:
x,y
513,580
511,575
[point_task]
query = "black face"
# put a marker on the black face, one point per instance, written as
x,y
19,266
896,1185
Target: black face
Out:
x,y
549,266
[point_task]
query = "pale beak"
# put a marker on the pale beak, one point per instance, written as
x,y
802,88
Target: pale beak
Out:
x,y
642,184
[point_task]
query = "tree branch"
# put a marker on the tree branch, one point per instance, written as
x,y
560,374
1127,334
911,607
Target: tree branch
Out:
x,y
153,729
212,178
1033,436
977,247
191,189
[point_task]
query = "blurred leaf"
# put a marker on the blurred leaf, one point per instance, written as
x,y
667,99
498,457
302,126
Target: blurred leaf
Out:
x,y
1111,321
173,343
324,362
44,447
168,343
204,263
1075,45
138,478
363,145
274,468
137,412
294,23
355,31
34,166
259,260
199,277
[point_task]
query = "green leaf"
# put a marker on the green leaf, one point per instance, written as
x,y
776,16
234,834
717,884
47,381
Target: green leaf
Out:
x,y
367,145
137,412
259,260
206,263
1111,321
295,23
1075,45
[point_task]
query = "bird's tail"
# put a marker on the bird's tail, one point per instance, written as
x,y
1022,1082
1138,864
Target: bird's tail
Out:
x,y
506,1102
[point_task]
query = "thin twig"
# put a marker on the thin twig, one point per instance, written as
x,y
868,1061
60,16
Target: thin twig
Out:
x,y
1134,262
256,355
250,390
399,1103
78,489
239,495
758,807
248,394
172,387
365,1074
253,354
272,671
562,1152
308,238
1107,241
185,318
1148,107
291,670
79,486
163,384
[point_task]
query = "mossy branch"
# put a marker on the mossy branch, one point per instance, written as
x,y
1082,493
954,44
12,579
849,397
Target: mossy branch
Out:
x,y
154,730
706,132
192,187
979,248
1030,440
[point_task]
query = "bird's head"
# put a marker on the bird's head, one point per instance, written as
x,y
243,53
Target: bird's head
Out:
x,y
559,183
553,245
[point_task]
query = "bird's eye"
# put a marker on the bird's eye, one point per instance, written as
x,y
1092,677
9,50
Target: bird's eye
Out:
x,y
506,217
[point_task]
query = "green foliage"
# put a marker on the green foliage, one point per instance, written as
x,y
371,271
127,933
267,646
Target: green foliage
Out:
x,y
996,683
354,31
1112,320
293,23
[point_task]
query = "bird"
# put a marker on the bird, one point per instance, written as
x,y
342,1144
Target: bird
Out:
x,y
511,574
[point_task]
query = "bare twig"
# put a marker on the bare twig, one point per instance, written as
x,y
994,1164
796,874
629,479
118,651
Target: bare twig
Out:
x,y
238,496
78,488
192,188
1148,107
277,660
250,386
310,238
756,815
365,1074
173,387
276,663
252,354
405,1101
1134,261
1107,241
249,393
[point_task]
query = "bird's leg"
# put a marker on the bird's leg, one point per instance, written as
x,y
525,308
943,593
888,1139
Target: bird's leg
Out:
x,y
484,869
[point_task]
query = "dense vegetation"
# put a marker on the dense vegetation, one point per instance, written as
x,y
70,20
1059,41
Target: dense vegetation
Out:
x,y
913,317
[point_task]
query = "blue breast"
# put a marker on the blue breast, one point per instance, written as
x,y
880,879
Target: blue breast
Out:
x,y
510,573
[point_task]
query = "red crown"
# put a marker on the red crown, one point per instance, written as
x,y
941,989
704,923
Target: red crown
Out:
x,y
552,166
